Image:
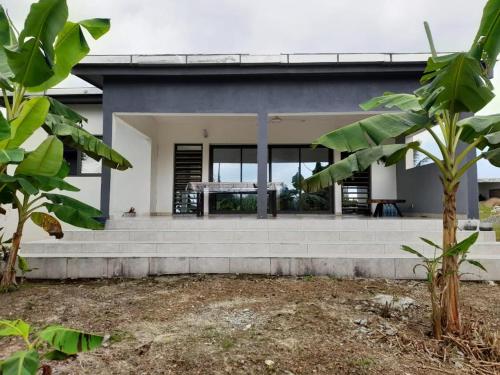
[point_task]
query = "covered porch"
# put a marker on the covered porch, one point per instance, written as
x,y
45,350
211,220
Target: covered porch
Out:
x,y
171,150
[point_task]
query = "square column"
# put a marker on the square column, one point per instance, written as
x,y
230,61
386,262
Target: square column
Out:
x,y
262,159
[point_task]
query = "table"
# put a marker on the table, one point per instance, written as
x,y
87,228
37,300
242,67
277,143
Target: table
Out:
x,y
232,187
379,209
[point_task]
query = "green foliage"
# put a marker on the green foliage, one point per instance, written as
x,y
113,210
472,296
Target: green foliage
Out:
x,y
456,83
34,60
432,264
70,341
356,162
45,160
373,131
78,138
452,87
31,117
451,84
404,102
24,362
54,343
486,45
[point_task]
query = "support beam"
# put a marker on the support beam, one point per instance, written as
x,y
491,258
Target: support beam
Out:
x,y
262,159
107,135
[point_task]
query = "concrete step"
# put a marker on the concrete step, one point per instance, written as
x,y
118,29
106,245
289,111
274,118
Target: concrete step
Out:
x,y
291,222
60,248
264,235
108,267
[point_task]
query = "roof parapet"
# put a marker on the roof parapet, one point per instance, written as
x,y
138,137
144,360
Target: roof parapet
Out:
x,y
248,59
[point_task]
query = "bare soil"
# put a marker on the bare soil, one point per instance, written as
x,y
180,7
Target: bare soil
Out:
x,y
248,325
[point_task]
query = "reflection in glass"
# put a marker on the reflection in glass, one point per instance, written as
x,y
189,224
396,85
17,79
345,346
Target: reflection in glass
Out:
x,y
289,165
249,165
314,161
285,169
226,164
89,165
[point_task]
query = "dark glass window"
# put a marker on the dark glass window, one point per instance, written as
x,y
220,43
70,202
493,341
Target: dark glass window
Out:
x,y
288,164
81,164
285,168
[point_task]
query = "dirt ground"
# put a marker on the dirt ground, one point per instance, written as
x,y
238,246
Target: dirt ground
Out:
x,y
247,325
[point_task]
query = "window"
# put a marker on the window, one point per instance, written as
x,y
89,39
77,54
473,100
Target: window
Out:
x,y
287,164
233,164
81,164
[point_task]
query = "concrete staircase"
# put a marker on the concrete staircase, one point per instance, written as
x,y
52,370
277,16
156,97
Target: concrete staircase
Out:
x,y
138,247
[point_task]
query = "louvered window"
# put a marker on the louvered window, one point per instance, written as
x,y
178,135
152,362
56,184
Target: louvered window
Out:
x,y
356,193
188,161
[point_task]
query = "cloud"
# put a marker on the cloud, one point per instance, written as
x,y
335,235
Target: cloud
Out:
x,y
274,26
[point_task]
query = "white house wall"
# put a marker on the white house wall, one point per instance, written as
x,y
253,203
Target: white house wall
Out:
x,y
131,188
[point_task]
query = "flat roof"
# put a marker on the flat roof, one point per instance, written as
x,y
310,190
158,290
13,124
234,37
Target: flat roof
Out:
x,y
94,68
240,58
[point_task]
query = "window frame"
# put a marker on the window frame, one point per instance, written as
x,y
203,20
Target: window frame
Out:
x,y
331,208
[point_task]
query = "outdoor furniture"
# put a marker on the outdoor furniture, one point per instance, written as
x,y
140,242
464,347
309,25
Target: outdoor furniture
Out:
x,y
379,209
232,187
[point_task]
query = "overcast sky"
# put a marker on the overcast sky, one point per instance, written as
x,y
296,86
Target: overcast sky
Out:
x,y
274,26
278,26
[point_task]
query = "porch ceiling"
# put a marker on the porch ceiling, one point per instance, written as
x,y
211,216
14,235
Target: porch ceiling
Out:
x,y
328,120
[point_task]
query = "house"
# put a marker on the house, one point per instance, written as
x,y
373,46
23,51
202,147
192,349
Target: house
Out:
x,y
243,119
252,119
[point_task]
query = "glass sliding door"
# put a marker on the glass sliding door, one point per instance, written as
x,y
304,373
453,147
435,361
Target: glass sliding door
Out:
x,y
291,165
285,168
313,161
287,164
233,164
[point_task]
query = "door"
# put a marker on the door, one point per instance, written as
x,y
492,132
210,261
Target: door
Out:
x,y
356,192
188,161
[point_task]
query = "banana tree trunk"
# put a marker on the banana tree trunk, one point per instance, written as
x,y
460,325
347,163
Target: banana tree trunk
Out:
x,y
450,278
9,274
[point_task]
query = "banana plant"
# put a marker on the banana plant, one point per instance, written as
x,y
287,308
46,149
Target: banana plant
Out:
x,y
32,61
452,87
432,266
53,343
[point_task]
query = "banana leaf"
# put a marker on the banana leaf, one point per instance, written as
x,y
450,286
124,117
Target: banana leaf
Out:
x,y
456,83
21,363
356,162
78,138
373,131
70,341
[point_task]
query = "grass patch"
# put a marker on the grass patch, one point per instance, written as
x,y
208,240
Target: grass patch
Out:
x,y
362,363
227,343
485,213
118,336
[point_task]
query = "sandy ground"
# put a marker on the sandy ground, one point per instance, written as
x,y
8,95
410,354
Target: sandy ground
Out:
x,y
246,325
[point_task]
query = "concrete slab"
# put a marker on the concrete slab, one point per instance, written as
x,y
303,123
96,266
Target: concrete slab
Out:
x,y
47,268
168,266
209,265
81,268
135,268
260,266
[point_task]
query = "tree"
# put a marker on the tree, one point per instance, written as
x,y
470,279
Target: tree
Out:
x,y
32,61
452,86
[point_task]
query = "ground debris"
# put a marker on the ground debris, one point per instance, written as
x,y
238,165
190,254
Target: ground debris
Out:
x,y
237,324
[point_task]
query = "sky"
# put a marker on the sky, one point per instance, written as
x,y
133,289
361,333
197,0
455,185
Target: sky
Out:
x,y
274,26
278,26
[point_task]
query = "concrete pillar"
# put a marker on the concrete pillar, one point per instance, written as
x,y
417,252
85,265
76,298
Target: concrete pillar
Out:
x,y
262,159
107,135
